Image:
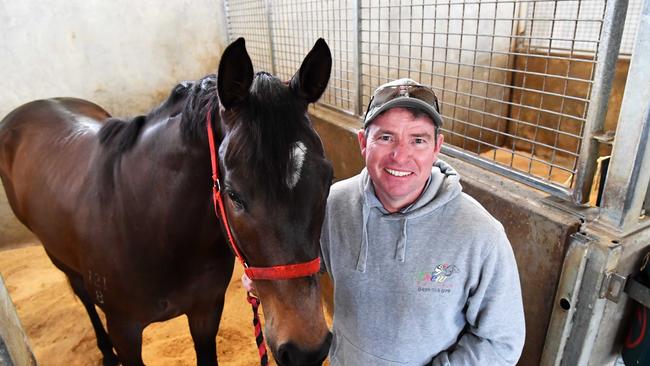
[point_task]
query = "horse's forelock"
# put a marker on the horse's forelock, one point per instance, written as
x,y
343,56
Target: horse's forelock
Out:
x,y
266,134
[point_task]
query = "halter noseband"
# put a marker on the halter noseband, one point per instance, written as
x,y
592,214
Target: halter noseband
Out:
x,y
282,272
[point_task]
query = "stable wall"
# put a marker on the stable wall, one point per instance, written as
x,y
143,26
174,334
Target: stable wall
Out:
x,y
123,55
537,228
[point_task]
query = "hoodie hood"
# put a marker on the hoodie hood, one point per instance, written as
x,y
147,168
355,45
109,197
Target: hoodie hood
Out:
x,y
443,186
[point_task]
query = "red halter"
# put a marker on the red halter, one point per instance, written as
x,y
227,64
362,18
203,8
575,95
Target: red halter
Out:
x,y
283,272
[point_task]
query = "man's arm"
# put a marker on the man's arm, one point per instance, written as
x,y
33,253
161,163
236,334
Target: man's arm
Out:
x,y
494,313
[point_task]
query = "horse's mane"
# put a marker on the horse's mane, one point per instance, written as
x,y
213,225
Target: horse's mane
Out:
x,y
121,135
200,97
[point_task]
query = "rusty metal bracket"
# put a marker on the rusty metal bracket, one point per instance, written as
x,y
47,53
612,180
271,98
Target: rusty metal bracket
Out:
x,y
638,292
613,286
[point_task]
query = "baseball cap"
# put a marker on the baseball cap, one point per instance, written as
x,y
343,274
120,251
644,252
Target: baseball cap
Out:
x,y
403,93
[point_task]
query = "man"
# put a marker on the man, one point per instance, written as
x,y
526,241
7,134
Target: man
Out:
x,y
422,273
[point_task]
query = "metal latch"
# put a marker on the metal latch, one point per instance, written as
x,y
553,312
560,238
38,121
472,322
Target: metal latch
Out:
x,y
605,137
613,286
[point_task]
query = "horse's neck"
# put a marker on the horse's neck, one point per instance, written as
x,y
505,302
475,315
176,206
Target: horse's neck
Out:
x,y
163,157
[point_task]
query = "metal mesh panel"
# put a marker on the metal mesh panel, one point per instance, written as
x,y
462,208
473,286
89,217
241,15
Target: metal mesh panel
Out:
x,y
513,88
572,26
295,26
248,19
555,22
514,77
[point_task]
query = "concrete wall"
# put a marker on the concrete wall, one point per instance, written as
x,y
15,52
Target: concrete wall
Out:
x,y
124,55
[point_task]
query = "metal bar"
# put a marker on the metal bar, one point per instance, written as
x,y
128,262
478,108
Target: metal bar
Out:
x,y
541,92
566,300
517,37
514,135
226,11
504,19
543,185
269,19
603,258
562,102
514,152
356,40
610,42
513,104
638,291
629,169
588,81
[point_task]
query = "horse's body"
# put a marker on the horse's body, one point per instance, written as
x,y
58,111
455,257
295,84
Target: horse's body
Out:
x,y
124,208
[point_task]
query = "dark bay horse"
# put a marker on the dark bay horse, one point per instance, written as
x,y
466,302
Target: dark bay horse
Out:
x,y
124,207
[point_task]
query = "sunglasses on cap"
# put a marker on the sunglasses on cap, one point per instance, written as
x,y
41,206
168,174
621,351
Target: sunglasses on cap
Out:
x,y
403,93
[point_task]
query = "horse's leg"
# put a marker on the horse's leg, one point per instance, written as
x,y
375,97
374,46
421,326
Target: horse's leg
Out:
x,y
203,327
127,339
103,341
77,283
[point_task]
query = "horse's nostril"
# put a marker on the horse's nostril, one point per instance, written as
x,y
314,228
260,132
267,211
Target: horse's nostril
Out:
x,y
289,354
284,354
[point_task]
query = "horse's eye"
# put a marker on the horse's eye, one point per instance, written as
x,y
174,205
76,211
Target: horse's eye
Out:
x,y
236,200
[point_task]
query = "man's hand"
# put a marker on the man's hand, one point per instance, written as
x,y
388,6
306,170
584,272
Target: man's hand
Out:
x,y
248,284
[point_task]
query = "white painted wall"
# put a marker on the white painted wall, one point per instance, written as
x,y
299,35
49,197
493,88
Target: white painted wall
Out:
x,y
124,55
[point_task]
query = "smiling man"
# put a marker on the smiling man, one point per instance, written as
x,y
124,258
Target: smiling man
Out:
x,y
422,273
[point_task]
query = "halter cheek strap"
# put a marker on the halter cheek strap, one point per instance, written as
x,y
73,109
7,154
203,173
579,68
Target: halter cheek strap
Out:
x,y
282,272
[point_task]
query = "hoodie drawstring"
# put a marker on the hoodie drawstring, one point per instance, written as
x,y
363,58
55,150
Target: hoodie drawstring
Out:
x,y
363,250
400,251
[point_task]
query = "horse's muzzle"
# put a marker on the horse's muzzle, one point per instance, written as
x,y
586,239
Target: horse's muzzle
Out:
x,y
288,354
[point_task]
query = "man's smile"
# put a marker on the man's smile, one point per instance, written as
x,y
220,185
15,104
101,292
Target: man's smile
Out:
x,y
397,173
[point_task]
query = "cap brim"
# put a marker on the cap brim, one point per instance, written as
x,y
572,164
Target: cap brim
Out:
x,y
404,102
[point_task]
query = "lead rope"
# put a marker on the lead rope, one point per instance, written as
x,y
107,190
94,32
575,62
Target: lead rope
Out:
x,y
259,336
219,210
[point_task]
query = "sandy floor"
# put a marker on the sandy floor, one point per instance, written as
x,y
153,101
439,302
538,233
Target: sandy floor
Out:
x,y
60,332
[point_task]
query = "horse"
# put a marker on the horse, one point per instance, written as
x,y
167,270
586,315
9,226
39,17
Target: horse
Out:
x,y
124,207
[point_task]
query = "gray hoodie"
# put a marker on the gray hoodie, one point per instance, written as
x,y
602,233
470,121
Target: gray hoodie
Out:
x,y
436,283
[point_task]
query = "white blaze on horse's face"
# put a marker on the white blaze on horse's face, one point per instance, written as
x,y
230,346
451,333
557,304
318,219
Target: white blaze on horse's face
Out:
x,y
298,158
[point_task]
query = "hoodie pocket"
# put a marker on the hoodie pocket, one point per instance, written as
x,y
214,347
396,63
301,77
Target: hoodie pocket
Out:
x,y
345,353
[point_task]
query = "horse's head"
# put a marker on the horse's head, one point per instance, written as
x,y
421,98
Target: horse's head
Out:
x,y
275,181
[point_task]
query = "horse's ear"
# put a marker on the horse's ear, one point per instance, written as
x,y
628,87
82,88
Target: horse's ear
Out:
x,y
311,79
235,74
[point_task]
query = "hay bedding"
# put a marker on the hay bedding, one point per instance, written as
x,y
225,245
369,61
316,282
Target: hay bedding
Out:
x,y
60,332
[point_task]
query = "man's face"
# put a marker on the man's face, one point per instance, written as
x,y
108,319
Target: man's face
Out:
x,y
399,152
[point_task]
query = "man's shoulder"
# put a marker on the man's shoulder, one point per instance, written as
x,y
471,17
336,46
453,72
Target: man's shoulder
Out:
x,y
345,189
473,212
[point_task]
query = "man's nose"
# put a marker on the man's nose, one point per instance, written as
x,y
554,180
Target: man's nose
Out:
x,y
401,151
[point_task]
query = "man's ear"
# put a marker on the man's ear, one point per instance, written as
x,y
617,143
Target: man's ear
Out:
x,y
439,142
363,141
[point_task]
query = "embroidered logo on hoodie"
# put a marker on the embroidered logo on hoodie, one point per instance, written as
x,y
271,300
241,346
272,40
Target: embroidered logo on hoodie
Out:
x,y
437,279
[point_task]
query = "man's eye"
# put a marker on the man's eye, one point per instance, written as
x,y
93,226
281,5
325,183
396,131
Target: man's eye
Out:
x,y
385,138
419,140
